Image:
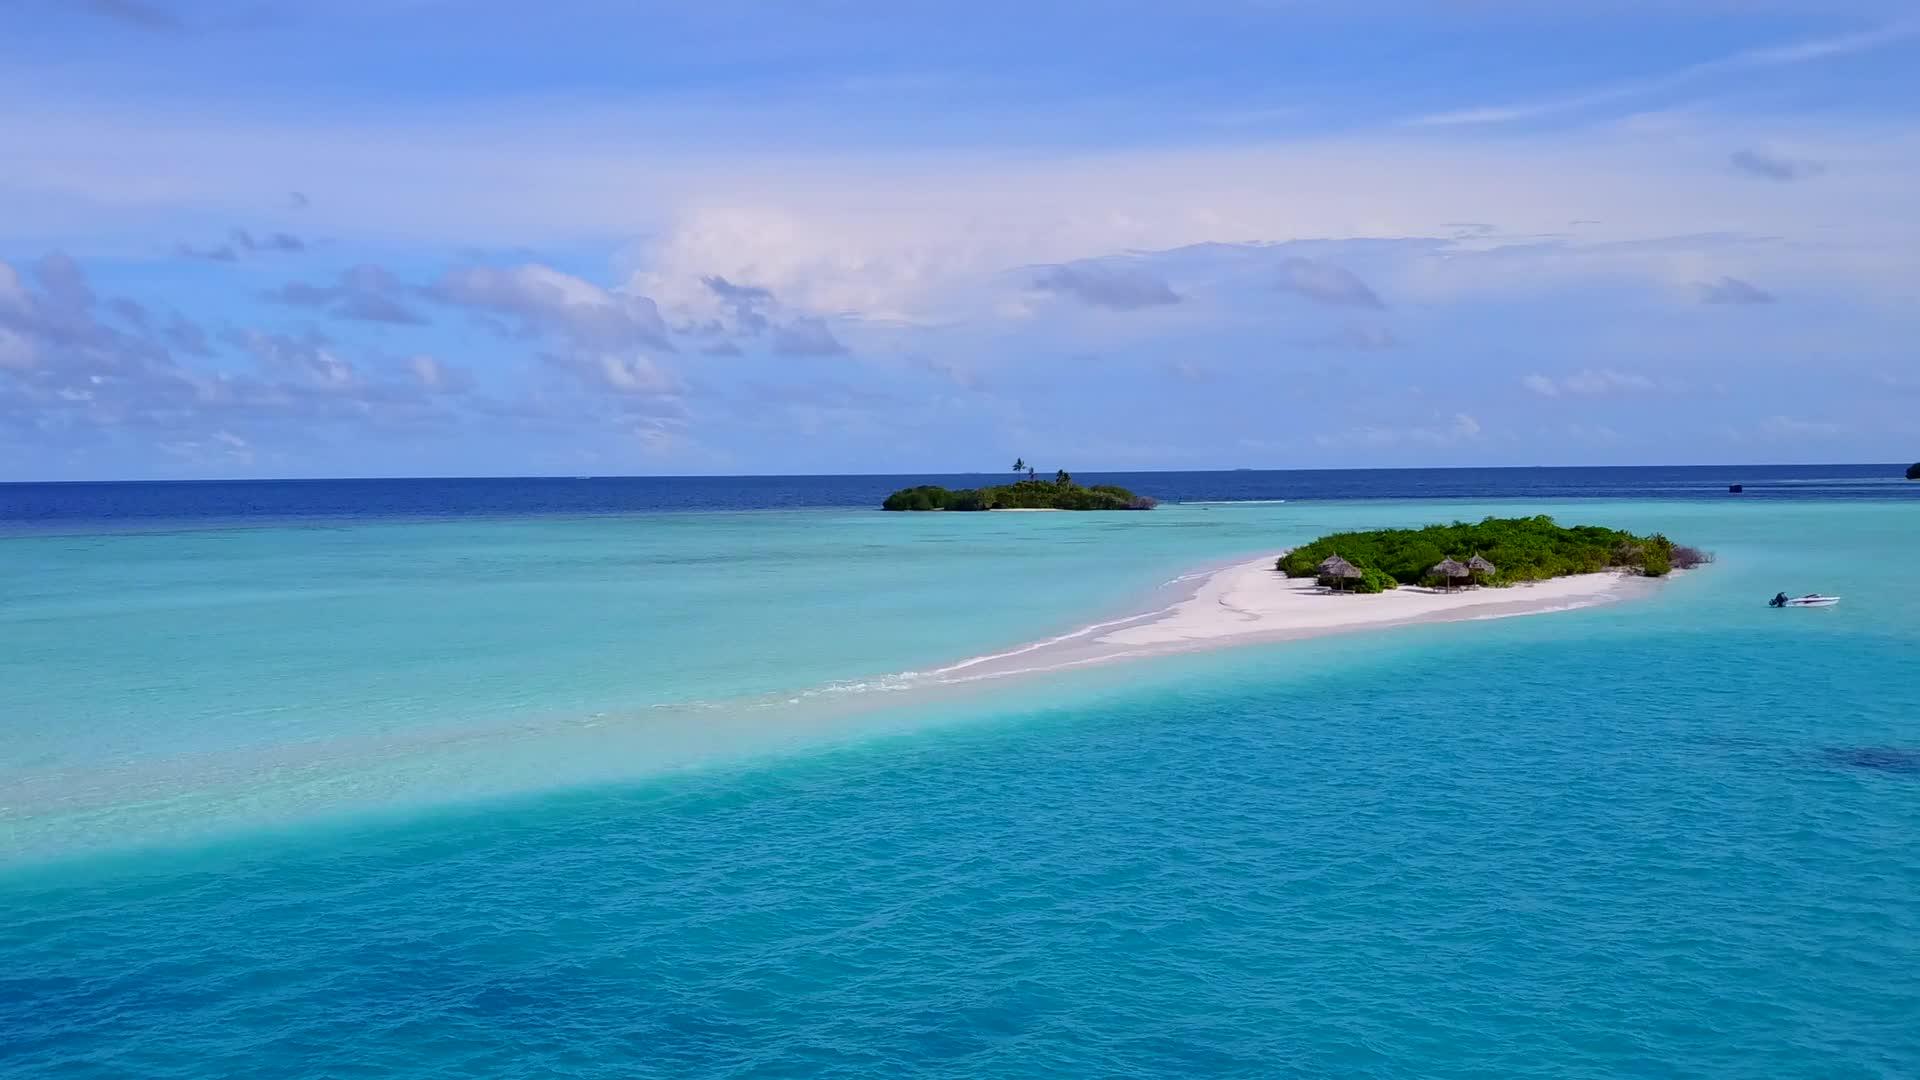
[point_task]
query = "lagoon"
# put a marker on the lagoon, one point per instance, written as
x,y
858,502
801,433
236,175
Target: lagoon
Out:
x,y
639,792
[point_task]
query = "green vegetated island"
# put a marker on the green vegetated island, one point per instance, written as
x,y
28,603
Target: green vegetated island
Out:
x,y
1495,551
1028,493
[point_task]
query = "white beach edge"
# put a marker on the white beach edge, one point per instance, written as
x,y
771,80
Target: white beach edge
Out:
x,y
1249,603
1255,599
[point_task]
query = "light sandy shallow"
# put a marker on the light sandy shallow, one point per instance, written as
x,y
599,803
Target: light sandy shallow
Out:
x,y
1255,598
1252,602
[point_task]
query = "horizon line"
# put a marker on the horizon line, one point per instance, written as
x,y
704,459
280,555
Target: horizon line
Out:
x,y
929,472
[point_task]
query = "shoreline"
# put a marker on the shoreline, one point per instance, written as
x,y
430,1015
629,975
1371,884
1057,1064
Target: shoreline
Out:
x,y
1247,603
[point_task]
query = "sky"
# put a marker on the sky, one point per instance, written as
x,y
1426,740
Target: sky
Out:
x,y
246,238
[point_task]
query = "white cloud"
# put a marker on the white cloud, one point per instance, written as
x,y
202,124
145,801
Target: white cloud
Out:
x,y
926,238
1733,291
659,437
307,362
1588,382
634,375
894,263
939,237
1605,381
438,377
543,299
805,336
66,368
1325,283
222,448
1108,284
366,293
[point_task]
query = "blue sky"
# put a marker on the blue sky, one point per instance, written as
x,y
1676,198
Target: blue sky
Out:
x,y
407,237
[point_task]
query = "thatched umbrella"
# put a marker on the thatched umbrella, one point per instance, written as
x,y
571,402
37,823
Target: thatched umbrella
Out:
x,y
1480,566
1339,569
1450,569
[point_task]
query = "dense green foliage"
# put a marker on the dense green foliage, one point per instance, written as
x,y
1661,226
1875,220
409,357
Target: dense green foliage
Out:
x,y
1521,549
1059,494
1371,581
932,497
1913,471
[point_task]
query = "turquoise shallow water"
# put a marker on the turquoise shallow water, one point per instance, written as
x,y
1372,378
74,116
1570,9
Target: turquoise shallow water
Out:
x,y
520,798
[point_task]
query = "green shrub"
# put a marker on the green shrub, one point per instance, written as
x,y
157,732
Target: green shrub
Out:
x,y
924,497
1522,549
1023,494
1374,581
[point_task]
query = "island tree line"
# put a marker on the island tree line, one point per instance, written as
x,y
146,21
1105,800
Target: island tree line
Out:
x,y
1030,493
1519,549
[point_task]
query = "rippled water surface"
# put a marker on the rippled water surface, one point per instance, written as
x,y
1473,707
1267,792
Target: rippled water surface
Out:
x,y
1675,837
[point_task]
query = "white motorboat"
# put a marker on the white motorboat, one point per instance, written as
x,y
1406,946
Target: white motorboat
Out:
x,y
1809,600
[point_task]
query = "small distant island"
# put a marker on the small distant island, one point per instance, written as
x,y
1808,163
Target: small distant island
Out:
x,y
1028,493
1495,551
1913,471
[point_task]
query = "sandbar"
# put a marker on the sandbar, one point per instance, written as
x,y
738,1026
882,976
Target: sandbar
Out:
x,y
1252,602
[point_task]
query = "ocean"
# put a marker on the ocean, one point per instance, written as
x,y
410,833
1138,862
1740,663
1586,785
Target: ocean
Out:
x,y
645,777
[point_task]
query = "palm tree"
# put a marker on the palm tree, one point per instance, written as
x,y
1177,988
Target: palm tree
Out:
x,y
1063,478
1019,465
1032,473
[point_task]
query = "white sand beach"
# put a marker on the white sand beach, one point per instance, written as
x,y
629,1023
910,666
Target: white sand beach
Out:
x,y
1254,598
1253,602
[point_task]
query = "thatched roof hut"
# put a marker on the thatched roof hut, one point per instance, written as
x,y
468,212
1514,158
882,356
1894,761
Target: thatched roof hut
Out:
x,y
1449,570
1339,569
1480,567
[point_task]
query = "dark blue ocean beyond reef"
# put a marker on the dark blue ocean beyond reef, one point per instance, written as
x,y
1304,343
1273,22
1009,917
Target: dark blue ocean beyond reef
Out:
x,y
527,779
133,502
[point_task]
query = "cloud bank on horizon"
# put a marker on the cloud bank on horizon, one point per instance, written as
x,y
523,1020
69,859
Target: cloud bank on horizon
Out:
x,y
647,238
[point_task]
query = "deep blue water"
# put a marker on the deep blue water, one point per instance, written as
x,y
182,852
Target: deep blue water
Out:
x,y
1570,862
135,502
